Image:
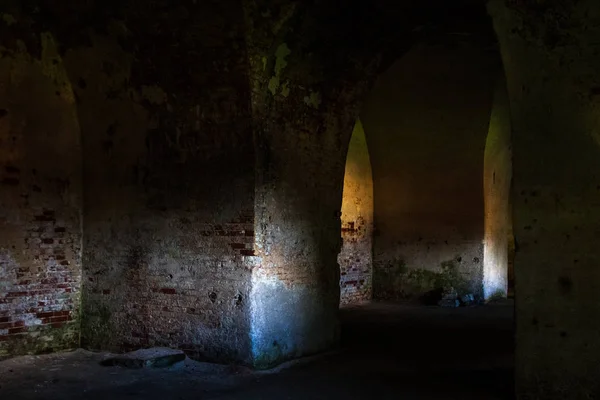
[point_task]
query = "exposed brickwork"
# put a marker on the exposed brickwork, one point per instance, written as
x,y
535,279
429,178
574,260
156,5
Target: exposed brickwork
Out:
x,y
169,179
40,200
355,266
168,168
41,294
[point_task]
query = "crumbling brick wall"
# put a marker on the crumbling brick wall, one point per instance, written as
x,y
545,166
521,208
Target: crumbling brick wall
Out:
x,y
169,180
40,198
165,215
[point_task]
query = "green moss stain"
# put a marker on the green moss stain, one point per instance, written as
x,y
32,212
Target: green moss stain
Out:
x,y
154,94
270,358
97,329
19,60
285,89
42,339
498,295
313,100
285,15
281,54
52,67
274,85
396,280
8,19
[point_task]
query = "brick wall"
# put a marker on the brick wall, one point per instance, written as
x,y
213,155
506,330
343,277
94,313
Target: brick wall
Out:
x,y
166,230
169,180
356,257
40,204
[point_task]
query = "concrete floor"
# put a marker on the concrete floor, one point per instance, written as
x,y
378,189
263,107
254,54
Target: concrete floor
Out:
x,y
389,351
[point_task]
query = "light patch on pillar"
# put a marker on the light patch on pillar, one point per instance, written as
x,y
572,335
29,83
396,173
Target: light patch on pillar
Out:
x,y
313,100
286,320
285,89
496,184
280,63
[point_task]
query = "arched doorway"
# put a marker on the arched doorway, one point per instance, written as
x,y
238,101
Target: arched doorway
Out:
x,y
356,258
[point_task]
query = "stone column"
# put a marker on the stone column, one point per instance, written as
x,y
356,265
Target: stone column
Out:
x,y
551,58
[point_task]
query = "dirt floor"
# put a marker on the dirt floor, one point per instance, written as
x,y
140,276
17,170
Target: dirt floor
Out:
x,y
389,351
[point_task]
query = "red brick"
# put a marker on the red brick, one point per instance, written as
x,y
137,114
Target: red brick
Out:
x,y
17,294
20,329
10,181
44,218
61,313
62,286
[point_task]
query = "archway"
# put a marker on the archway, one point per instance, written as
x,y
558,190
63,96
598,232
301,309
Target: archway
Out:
x,y
427,120
356,257
491,264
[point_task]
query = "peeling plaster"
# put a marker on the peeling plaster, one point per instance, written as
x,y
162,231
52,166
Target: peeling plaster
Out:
x,y
154,94
285,89
52,67
286,15
313,100
280,63
8,19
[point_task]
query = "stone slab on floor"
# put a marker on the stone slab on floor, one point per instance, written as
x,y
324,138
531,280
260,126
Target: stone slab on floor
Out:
x,y
156,357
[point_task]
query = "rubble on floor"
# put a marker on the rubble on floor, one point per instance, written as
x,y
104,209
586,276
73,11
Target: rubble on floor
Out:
x,y
156,357
451,298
